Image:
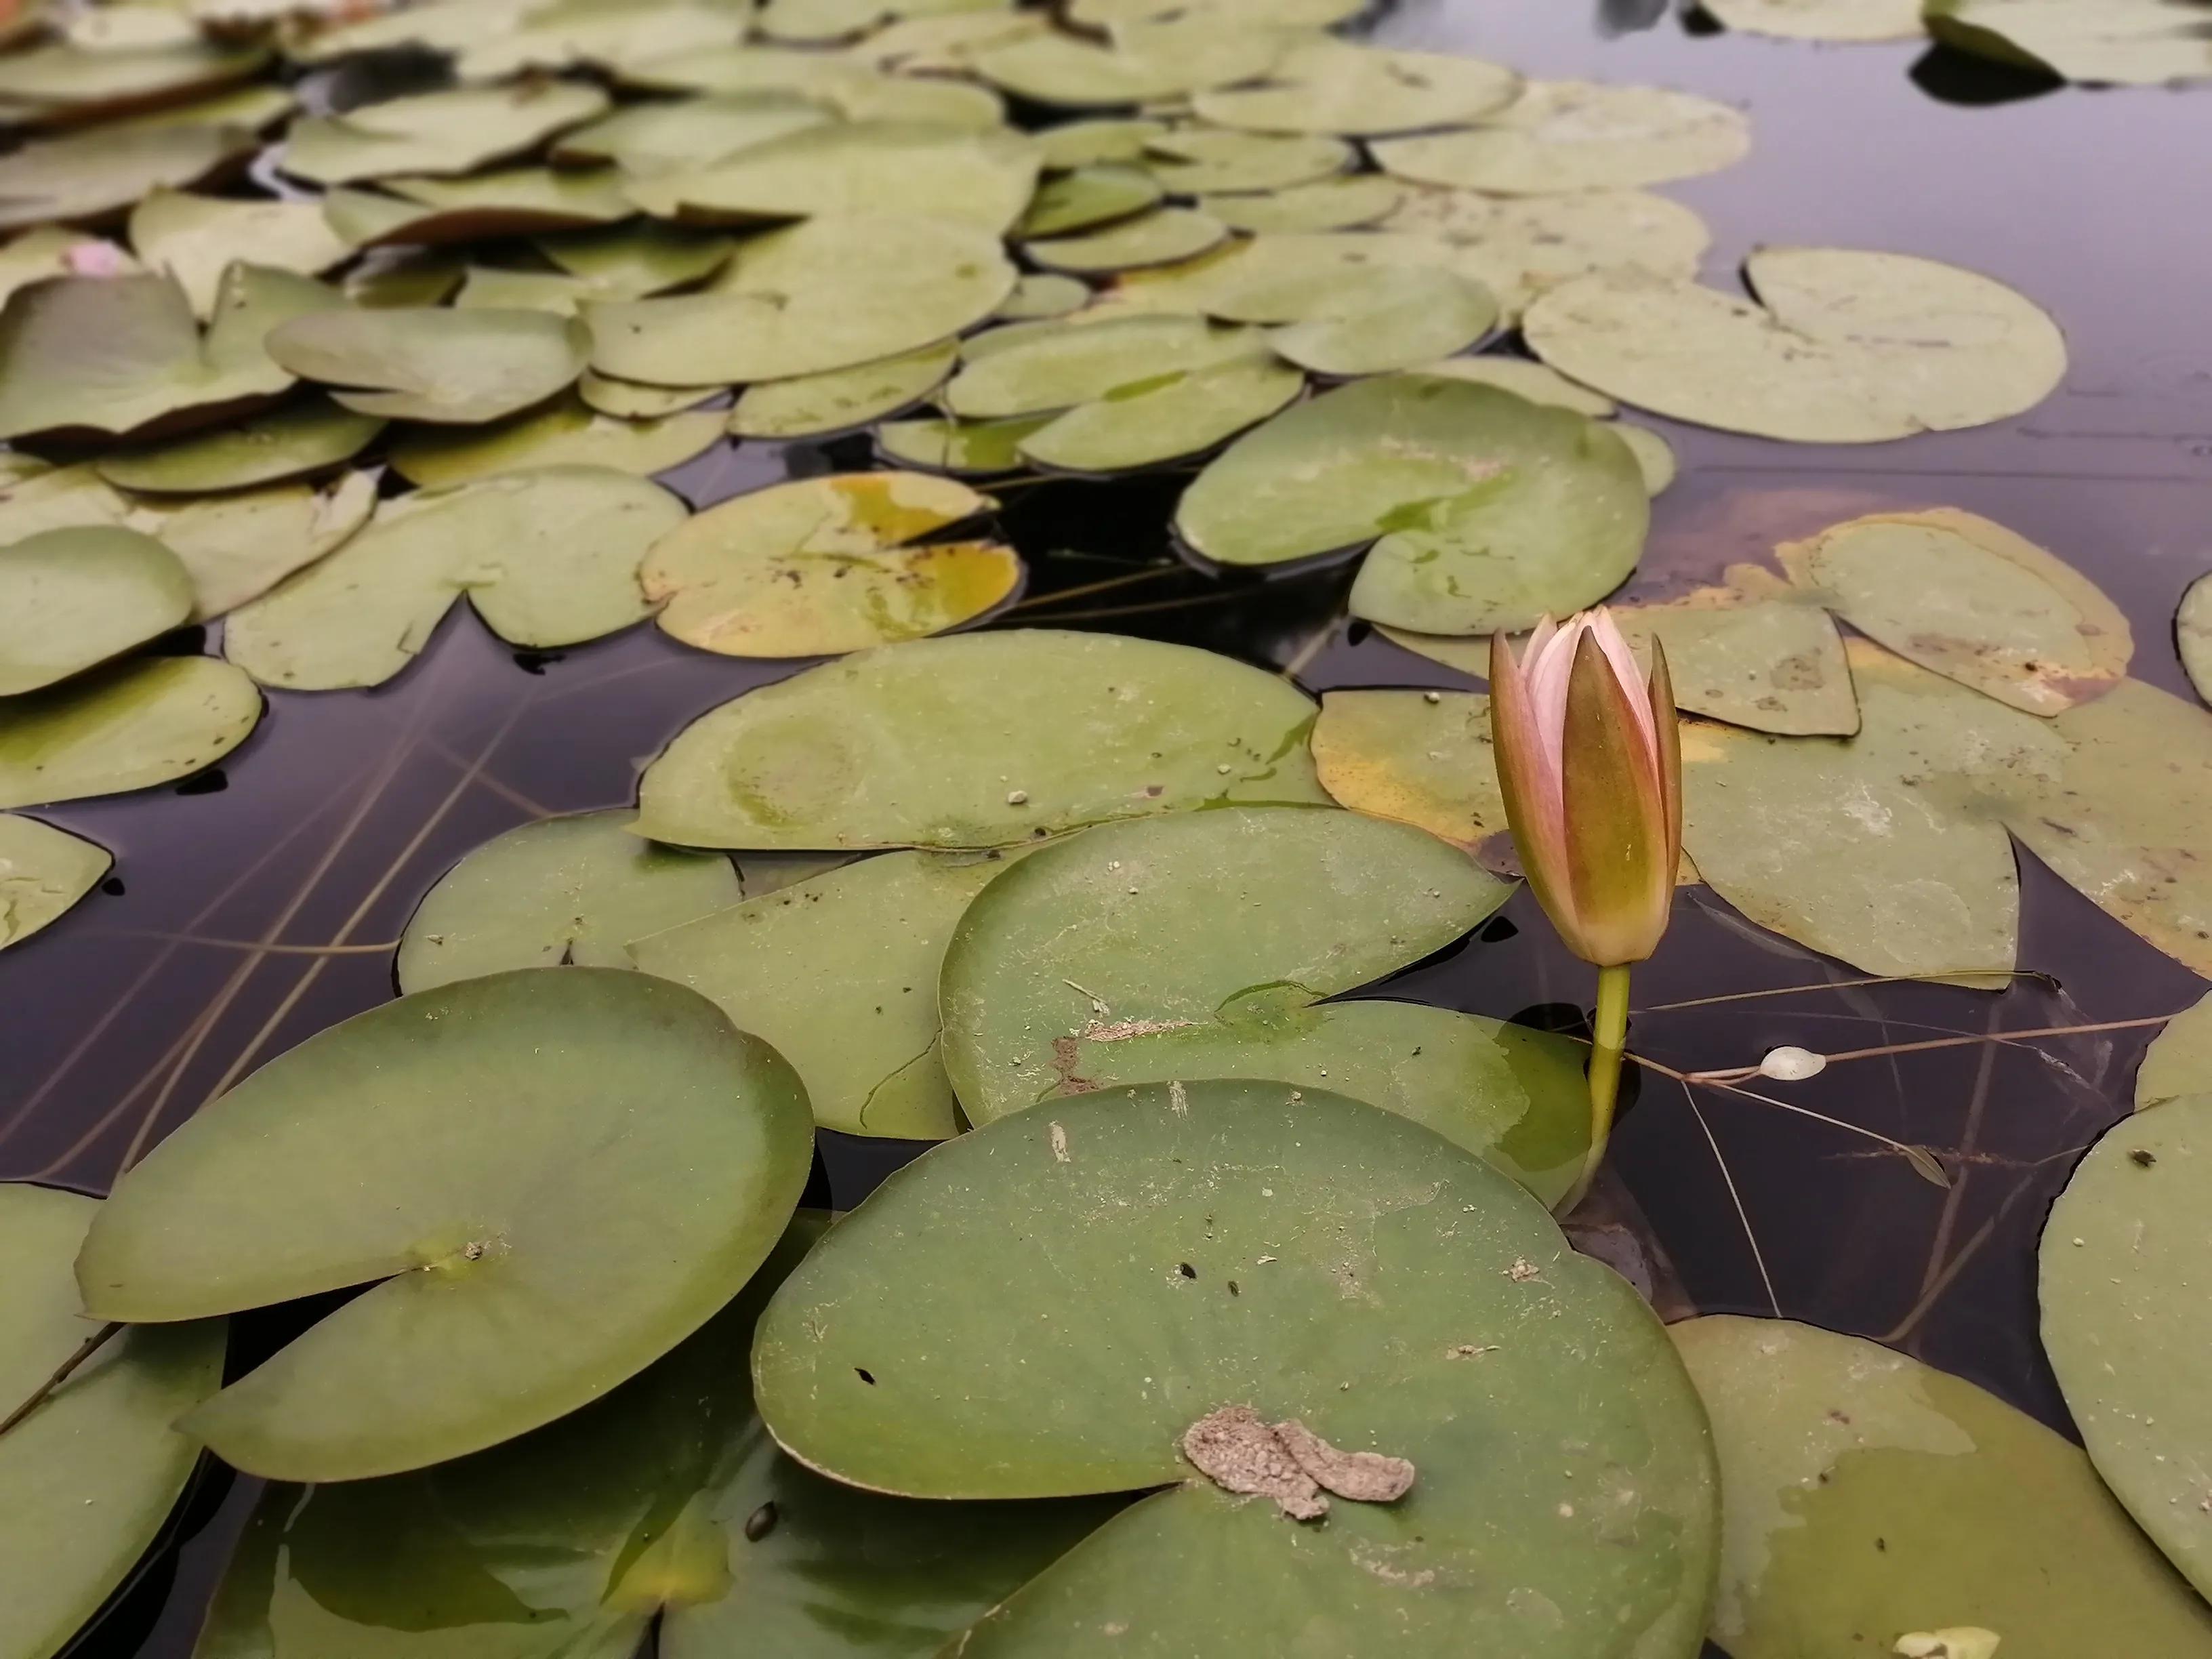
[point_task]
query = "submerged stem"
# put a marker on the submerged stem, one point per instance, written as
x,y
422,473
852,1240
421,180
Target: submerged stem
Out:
x,y
91,1345
1608,1039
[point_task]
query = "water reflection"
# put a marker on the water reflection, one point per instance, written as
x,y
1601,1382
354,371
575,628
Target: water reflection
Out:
x,y
1625,16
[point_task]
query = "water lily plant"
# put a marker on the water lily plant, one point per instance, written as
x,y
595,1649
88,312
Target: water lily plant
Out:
x,y
1590,760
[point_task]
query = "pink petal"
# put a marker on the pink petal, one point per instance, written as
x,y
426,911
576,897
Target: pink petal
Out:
x,y
1615,646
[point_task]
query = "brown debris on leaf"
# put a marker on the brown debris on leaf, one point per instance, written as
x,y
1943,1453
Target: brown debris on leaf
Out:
x,y
1290,1463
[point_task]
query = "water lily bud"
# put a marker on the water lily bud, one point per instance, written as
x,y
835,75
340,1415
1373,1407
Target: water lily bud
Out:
x,y
1589,761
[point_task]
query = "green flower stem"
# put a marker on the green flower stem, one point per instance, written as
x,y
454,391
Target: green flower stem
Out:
x,y
1609,1040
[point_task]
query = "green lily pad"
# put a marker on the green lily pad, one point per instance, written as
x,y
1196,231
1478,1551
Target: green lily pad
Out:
x,y
1275,278
1534,381
70,599
1028,370
131,726
1114,15
87,178
982,180
603,34
2192,634
44,872
667,1496
1043,295
841,20
1088,195
2179,1061
1102,139
928,101
1491,511
1106,727
1162,236
1399,317
235,546
840,974
36,255
446,133
566,432
632,401
592,1159
1335,86
1165,417
1356,199
1969,599
1144,64
513,201
786,70
967,448
2113,42
2123,1258
561,891
1191,160
547,557
440,26
425,363
827,294
818,567
1172,923
122,356
89,1480
1823,19
839,400
1655,456
633,261
389,278
494,287
1394,1294
1844,347
660,138
195,239
309,435
1872,1495
1561,136
1519,247
66,82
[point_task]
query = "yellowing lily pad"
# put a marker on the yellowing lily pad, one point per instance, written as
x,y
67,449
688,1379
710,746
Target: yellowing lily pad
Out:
x,y
827,294
1172,923
566,432
1519,247
1844,347
88,1481
1339,87
2179,1061
594,1156
424,363
1823,19
1356,199
561,891
1868,1493
1162,236
1103,726
131,726
70,599
2114,42
840,974
195,239
448,132
91,177
1395,1294
2123,1258
838,399
818,567
547,557
1417,757
44,872
1561,136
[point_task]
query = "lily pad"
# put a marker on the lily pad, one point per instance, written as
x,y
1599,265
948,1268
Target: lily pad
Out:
x,y
632,401
1561,136
1844,347
1057,366
1973,601
1519,247
1102,139
1356,199
839,400
425,363
44,872
445,133
1379,1269
1191,160
70,599
1534,381
387,277
1399,317
908,168
308,436
1144,64
605,34
840,974
566,432
2179,1061
1162,236
123,356
1042,295
1870,1494
635,260
67,81
561,891
1105,727
1086,197
1823,19
969,448
1752,653
1655,456
1491,511
547,557
591,1155
2192,634
36,255
89,1480
2122,1259
87,178
514,202
1338,87
830,292
667,1496
195,239
1232,918
1417,758
1165,417
660,138
131,726
2114,42
1113,15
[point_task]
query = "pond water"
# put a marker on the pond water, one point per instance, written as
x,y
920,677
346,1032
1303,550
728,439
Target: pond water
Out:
x,y
328,826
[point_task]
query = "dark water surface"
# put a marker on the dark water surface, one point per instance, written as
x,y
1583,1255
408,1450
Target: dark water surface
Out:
x,y
330,822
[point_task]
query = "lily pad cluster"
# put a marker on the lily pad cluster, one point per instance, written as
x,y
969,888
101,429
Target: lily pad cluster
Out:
x,y
2096,42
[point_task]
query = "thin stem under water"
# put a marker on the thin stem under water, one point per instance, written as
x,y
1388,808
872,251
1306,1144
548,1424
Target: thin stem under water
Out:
x,y
1608,1041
